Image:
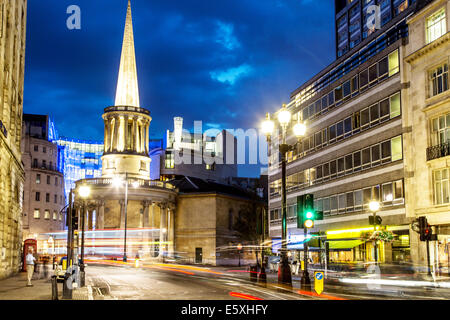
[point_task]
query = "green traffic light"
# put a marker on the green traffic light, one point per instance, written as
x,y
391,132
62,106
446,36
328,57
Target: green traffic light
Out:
x,y
309,215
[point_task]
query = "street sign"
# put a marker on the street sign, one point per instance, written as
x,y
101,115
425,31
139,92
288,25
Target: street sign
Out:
x,y
318,281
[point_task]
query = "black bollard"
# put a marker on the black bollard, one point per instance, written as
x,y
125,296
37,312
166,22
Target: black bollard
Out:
x,y
54,288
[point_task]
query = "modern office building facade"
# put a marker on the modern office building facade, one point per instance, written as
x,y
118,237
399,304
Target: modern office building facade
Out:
x,y
427,129
12,65
353,150
44,196
198,154
358,20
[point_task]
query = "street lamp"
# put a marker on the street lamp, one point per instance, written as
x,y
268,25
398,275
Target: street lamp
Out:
x,y
83,192
374,206
299,130
239,247
118,182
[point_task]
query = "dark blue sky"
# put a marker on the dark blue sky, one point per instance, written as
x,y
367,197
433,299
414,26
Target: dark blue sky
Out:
x,y
225,62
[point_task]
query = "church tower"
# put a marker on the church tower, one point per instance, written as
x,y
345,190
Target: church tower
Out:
x,y
126,123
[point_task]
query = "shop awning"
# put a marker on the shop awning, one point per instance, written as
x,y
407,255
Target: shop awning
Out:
x,y
350,244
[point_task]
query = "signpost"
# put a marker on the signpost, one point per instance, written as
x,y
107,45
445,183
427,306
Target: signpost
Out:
x,y
318,281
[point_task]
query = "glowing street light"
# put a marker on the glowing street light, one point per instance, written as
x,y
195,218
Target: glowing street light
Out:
x,y
374,206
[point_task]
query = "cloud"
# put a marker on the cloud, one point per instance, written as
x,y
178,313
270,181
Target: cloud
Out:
x,y
231,75
225,37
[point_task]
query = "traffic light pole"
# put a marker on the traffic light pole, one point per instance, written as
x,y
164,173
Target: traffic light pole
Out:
x,y
375,242
428,257
284,270
67,288
305,283
82,274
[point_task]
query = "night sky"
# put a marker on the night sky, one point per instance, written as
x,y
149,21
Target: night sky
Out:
x,y
224,62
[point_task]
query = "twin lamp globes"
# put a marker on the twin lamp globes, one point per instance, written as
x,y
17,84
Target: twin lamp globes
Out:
x,y
284,118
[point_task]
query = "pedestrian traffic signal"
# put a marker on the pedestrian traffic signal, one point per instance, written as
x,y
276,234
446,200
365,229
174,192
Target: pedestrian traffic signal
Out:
x,y
306,214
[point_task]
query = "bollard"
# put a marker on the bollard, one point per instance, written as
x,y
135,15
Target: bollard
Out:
x,y
54,288
263,276
254,273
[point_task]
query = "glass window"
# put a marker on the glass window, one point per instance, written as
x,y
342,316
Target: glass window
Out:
x,y
364,78
374,114
348,163
439,79
318,106
350,202
333,168
324,103
319,172
346,89
342,202
396,148
366,158
55,216
47,214
376,193
341,165
358,199
338,94
383,67
38,178
373,73
311,111
47,197
333,203
332,133
393,63
386,150
365,118
395,105
36,214
318,139
340,130
48,179
441,186
384,110
326,205
355,84
367,196
38,196
326,170
331,99
348,126
387,192
441,130
398,189
357,160
436,25
376,154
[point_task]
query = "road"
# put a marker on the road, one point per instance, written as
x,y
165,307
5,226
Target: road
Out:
x,y
174,283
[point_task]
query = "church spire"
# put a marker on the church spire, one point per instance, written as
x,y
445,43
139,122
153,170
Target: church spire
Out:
x,y
127,93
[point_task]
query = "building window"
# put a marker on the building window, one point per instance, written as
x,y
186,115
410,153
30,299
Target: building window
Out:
x,y
44,149
170,160
35,163
48,179
441,130
46,214
396,148
56,198
441,186
36,214
38,196
60,216
55,216
56,181
439,79
47,197
393,63
436,26
36,148
38,178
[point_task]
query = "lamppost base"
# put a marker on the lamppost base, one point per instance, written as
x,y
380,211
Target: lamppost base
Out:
x,y
67,287
262,276
284,273
82,276
305,282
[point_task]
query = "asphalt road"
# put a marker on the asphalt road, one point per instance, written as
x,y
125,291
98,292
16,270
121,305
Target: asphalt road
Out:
x,y
152,283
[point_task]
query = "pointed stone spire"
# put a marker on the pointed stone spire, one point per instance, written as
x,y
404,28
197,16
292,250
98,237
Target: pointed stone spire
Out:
x,y
127,93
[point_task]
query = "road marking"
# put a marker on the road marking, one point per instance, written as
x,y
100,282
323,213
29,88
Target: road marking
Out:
x,y
90,296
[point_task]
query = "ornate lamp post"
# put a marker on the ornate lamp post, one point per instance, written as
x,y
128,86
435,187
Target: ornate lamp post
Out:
x,y
84,193
374,206
299,129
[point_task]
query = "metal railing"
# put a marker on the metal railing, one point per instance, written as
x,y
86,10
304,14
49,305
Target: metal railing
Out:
x,y
142,183
45,167
439,151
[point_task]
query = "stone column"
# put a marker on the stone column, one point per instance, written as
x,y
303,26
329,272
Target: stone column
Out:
x,y
171,230
145,205
116,133
106,142
133,135
153,227
122,214
147,128
125,133
138,135
162,226
90,216
101,215
143,148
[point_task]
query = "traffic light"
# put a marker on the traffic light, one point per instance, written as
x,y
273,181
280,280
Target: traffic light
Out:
x,y
74,220
425,231
306,214
375,221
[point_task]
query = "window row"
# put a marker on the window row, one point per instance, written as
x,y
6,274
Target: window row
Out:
x,y
367,118
47,198
386,67
381,153
56,216
389,194
44,165
44,149
38,179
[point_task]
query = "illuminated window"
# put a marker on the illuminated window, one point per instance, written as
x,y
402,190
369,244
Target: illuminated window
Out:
x,y
393,63
396,148
38,178
36,214
170,160
55,215
439,79
441,130
436,25
441,186
47,214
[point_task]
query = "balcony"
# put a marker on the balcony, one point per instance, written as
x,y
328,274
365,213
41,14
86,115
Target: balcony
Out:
x,y
45,167
438,151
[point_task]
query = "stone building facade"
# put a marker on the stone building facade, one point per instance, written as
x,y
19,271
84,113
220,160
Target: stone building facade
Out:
x,y
44,196
12,61
427,128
